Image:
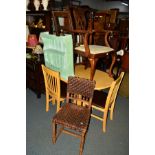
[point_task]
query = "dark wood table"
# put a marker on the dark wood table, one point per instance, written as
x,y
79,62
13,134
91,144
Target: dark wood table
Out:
x,y
34,75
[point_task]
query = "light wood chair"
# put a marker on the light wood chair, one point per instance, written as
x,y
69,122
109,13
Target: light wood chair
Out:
x,y
74,116
105,102
55,89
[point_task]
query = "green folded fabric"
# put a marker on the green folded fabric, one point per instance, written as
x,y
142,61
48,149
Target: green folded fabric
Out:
x,y
58,53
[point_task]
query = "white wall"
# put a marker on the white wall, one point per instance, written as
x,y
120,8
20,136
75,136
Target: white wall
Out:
x,y
102,5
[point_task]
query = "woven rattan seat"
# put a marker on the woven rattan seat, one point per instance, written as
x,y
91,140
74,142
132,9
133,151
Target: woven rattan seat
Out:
x,y
75,114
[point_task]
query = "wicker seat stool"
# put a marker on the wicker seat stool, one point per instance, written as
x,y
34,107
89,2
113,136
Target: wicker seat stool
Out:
x,y
75,114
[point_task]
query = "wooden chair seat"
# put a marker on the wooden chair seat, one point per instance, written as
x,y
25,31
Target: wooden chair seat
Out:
x,y
73,116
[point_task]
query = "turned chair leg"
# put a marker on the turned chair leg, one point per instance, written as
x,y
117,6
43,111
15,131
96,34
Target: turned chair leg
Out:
x,y
93,67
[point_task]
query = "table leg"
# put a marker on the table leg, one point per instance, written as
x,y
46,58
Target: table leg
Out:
x,y
93,66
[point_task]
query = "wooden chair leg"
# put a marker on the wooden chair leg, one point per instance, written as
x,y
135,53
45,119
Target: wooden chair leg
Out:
x,y
104,126
112,110
104,121
111,114
93,67
58,105
54,128
82,143
47,102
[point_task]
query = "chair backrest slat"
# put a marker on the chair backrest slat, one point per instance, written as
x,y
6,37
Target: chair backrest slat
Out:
x,y
80,91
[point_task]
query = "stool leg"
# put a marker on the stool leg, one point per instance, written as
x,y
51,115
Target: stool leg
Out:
x,y
54,126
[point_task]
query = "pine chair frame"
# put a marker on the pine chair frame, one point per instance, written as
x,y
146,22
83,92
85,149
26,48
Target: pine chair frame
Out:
x,y
52,86
110,102
78,108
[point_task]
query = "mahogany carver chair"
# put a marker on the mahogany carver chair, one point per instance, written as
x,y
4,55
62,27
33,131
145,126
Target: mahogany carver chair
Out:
x,y
55,89
105,102
84,40
75,114
87,49
93,52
